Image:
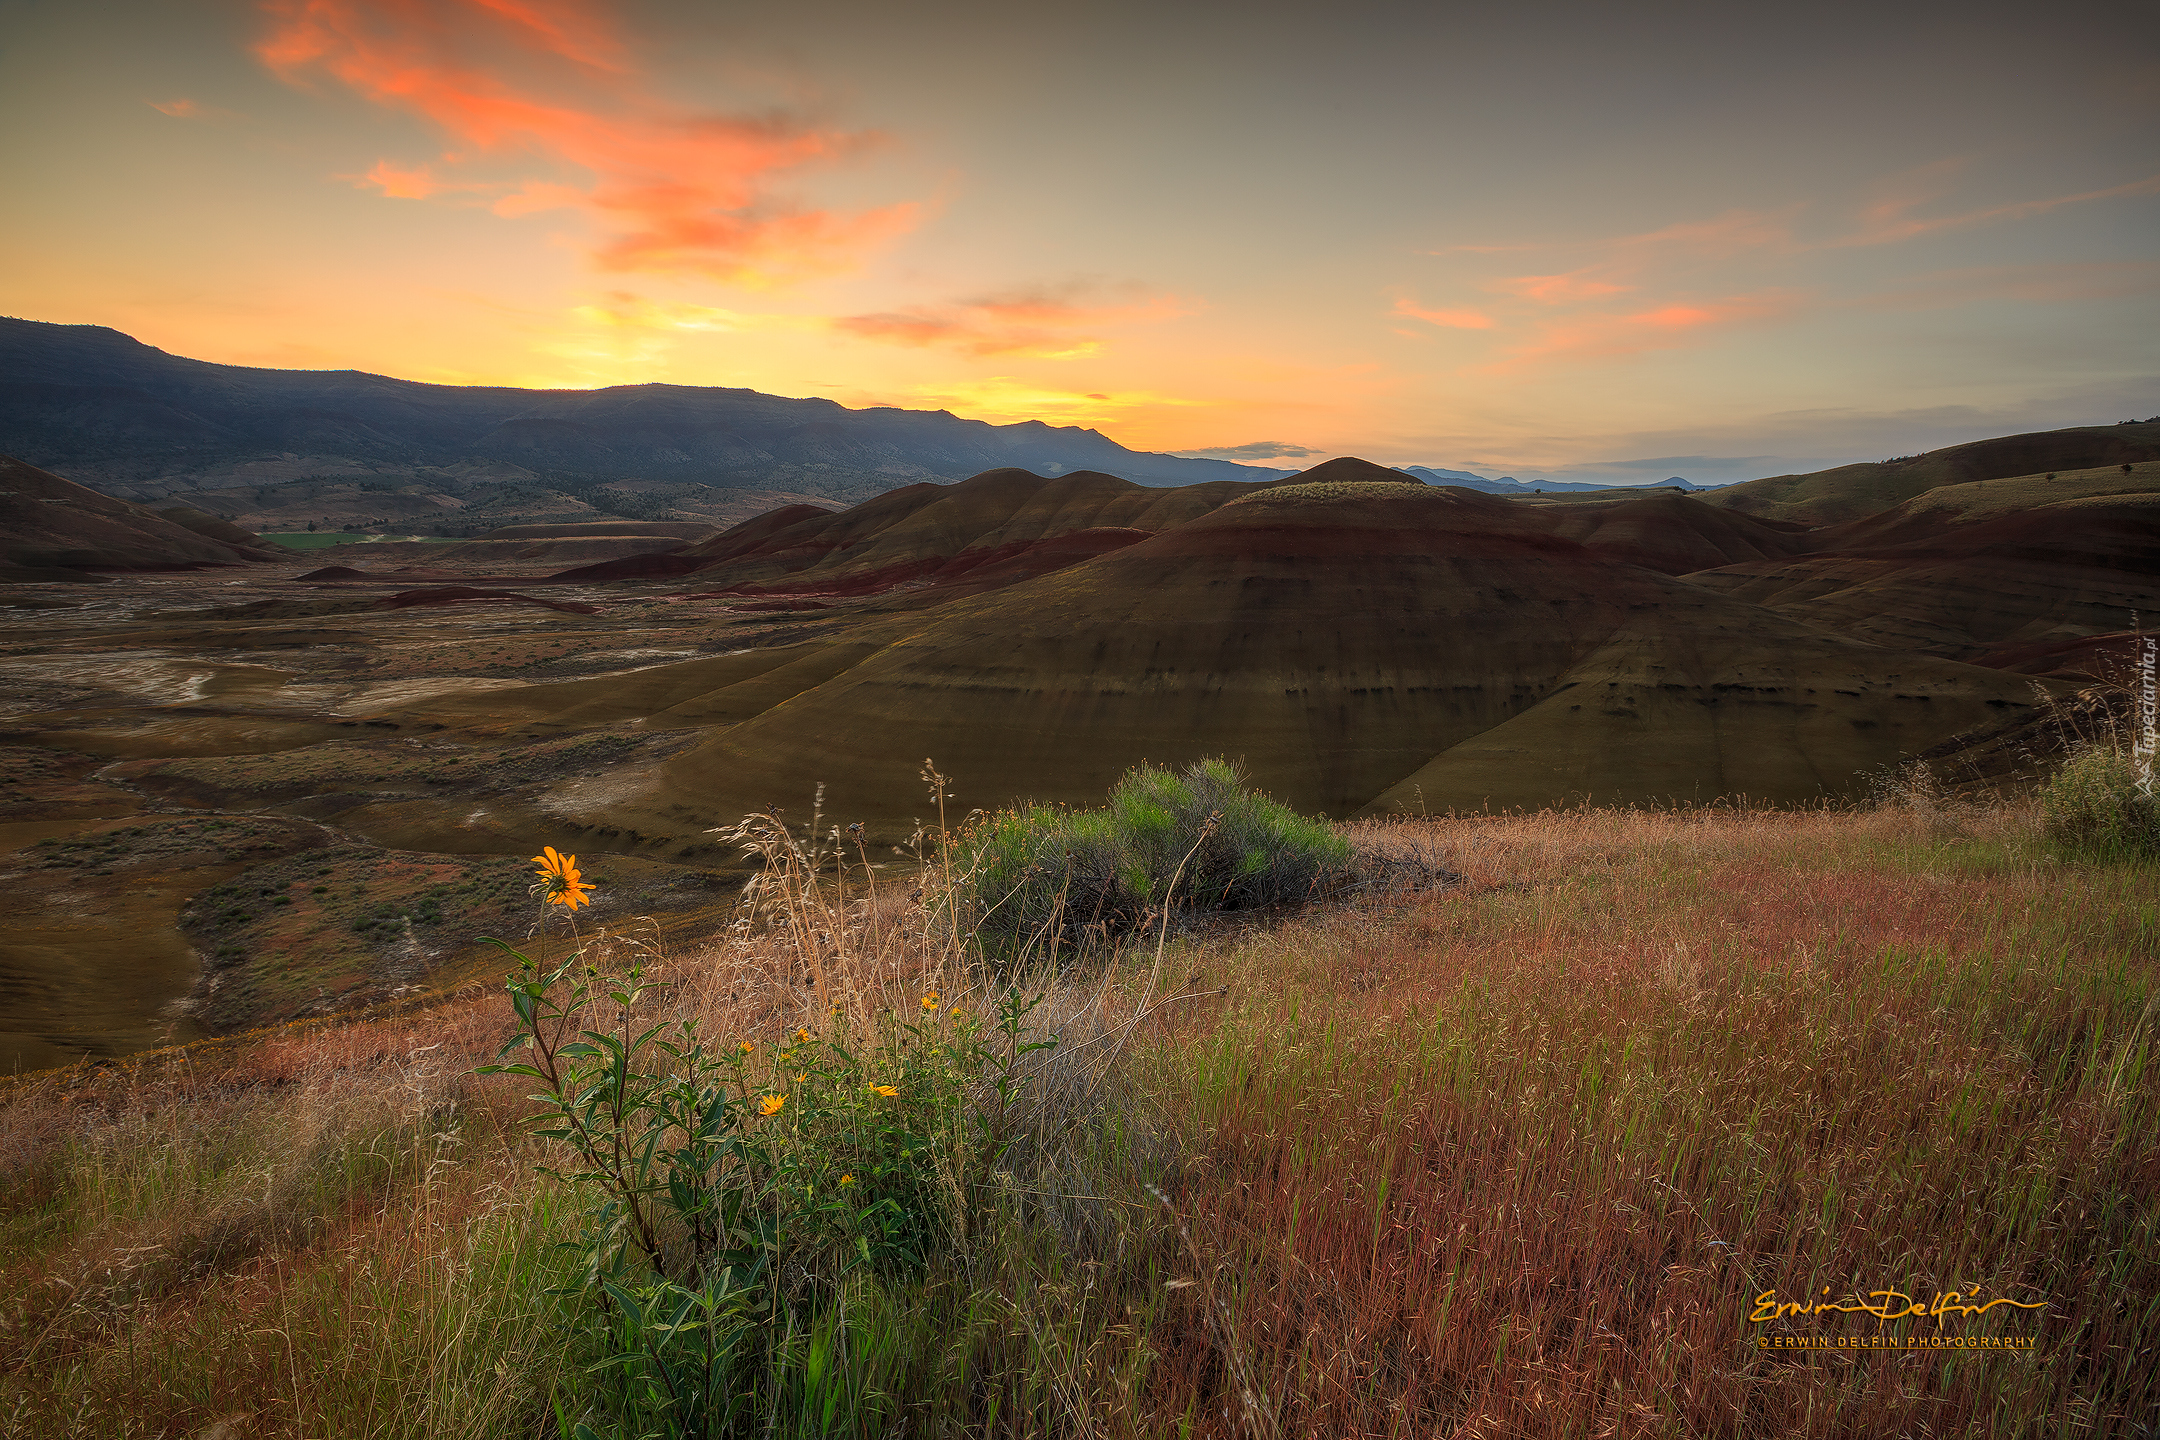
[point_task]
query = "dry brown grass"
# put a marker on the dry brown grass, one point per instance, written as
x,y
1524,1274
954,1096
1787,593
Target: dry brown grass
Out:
x,y
1516,1161
1511,1158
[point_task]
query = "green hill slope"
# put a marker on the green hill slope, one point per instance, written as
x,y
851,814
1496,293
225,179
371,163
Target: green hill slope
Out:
x,y
1852,492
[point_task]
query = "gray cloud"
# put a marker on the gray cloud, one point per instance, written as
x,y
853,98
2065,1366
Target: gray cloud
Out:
x,y
1252,450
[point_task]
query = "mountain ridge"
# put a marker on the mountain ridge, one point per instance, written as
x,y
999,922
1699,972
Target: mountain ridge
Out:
x,y
137,422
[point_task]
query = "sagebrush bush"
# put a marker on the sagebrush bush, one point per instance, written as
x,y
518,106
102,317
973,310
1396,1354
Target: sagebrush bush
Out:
x,y
1042,871
2094,802
1043,880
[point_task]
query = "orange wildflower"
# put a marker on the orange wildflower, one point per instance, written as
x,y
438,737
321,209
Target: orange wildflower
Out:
x,y
559,878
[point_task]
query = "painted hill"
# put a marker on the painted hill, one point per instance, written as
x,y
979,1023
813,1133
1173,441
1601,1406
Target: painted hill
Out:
x,y
1978,570
213,528
1946,508
1673,533
993,529
1852,492
51,528
1005,521
1006,525
1356,644
126,417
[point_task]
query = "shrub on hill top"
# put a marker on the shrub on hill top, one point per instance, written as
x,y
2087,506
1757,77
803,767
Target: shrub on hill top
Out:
x,y
1044,880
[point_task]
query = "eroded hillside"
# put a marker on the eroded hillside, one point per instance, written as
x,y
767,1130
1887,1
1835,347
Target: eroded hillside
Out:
x,y
397,723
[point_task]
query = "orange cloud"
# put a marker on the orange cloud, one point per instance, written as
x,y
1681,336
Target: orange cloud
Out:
x,y
1728,234
1052,323
1721,236
1454,319
400,183
1558,289
1895,195
1888,219
178,109
564,27
1681,317
1604,337
678,192
1001,398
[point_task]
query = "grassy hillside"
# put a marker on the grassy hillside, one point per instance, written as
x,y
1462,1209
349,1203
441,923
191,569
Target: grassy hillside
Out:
x,y
1935,512
1516,1157
1851,492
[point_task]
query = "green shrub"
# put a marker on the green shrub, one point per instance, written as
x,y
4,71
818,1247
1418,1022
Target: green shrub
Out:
x,y
2093,802
1238,849
1043,871
1043,881
735,1201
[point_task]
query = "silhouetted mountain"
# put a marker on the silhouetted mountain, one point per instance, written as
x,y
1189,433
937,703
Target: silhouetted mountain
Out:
x,y
132,420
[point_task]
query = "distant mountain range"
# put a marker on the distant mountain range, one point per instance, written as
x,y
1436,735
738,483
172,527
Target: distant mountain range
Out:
x,y
1509,485
132,421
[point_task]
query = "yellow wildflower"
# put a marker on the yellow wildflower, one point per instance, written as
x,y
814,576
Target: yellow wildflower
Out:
x,y
886,1090
801,1035
929,1002
770,1104
747,1047
559,876
847,1179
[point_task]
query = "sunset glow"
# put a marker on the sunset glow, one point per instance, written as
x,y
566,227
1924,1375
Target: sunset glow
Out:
x,y
1436,240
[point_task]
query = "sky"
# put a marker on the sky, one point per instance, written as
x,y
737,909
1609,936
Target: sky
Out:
x,y
1587,241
